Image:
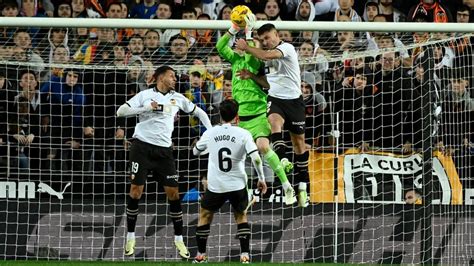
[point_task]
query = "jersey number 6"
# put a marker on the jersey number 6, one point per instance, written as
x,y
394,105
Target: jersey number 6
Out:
x,y
225,163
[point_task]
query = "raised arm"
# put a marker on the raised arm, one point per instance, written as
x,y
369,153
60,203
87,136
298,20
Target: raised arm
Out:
x,y
257,52
126,110
199,113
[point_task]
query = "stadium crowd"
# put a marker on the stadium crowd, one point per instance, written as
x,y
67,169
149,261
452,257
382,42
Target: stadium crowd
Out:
x,y
65,118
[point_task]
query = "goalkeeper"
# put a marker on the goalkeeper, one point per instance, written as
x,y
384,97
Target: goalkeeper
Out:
x,y
252,102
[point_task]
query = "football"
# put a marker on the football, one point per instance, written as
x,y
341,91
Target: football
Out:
x,y
237,15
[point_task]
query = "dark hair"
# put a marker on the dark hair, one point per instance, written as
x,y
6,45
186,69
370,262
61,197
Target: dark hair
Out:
x,y
189,9
177,37
162,70
9,3
463,8
265,28
228,109
204,15
228,75
196,74
114,3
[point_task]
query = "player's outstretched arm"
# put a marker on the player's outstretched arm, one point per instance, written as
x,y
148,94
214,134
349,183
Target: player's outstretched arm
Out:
x,y
127,110
199,113
257,52
201,145
258,165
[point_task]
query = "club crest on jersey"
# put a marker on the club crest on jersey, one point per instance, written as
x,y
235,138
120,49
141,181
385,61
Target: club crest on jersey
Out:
x,y
173,101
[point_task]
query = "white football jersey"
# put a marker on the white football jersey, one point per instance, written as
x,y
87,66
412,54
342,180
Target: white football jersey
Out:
x,y
228,147
156,127
283,74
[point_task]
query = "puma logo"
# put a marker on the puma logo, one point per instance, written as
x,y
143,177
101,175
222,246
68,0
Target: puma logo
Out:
x,y
42,187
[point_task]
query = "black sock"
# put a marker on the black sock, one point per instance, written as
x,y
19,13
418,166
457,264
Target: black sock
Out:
x,y
279,146
202,233
301,168
176,215
132,213
243,233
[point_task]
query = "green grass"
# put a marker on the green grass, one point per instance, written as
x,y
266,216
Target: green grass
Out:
x,y
127,263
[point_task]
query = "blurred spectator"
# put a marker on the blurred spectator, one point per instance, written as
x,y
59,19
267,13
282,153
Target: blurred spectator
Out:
x,y
370,11
197,93
78,38
10,8
31,110
272,10
470,4
7,94
114,10
60,56
178,51
261,16
391,85
217,96
214,74
344,9
66,106
308,54
463,14
63,10
20,135
136,46
285,35
125,12
391,14
433,10
146,9
23,52
153,50
56,37
457,124
305,11
315,105
80,10
165,11
458,91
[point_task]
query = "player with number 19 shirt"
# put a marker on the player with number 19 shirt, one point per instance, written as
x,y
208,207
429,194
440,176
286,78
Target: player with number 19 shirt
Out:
x,y
151,150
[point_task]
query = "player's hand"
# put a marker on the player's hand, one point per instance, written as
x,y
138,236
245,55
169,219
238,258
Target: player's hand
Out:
x,y
120,133
262,186
241,44
250,21
153,106
244,74
29,139
88,132
234,29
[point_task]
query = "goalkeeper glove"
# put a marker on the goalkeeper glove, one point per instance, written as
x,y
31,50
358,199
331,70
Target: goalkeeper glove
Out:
x,y
250,21
234,29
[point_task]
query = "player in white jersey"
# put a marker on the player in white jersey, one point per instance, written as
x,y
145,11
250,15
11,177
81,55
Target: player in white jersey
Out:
x,y
285,105
228,147
151,150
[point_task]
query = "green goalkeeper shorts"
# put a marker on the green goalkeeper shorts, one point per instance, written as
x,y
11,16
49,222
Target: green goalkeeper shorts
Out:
x,y
257,125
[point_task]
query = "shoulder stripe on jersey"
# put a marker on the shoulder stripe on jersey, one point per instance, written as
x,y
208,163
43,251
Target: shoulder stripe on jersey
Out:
x,y
193,110
282,54
251,152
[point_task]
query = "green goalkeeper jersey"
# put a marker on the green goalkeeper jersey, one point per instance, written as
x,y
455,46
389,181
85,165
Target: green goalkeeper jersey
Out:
x,y
252,100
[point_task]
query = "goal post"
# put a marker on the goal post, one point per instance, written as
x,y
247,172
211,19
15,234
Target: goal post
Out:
x,y
389,115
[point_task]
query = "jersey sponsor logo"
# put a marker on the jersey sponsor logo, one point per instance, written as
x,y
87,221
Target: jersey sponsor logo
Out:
x,y
175,177
269,104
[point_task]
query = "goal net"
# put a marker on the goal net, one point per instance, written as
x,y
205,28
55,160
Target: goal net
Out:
x,y
389,120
